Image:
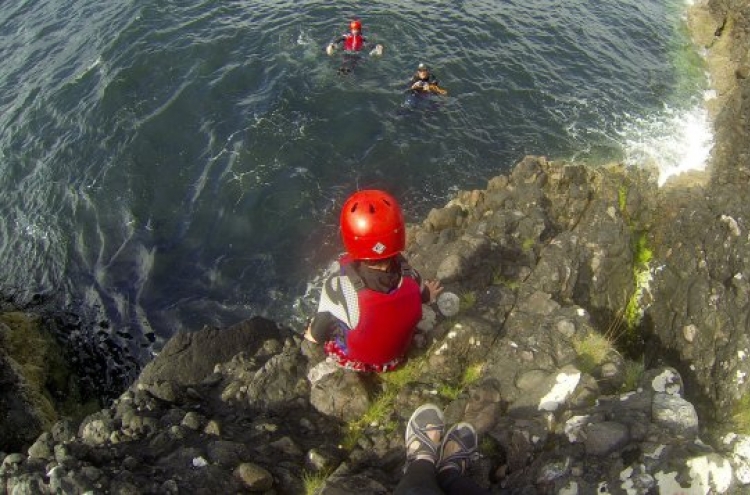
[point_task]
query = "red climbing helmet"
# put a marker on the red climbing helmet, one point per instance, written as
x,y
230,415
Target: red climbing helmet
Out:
x,y
372,225
355,24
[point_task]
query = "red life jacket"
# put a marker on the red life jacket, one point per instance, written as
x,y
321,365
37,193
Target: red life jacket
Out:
x,y
386,321
353,42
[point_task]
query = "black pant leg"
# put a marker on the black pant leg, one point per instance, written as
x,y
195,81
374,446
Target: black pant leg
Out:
x,y
420,479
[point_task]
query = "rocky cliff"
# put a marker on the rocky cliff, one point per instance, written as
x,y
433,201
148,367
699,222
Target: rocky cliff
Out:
x,y
598,341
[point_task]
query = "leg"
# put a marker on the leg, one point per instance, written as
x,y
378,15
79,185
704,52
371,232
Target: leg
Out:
x,y
419,480
423,434
458,449
455,483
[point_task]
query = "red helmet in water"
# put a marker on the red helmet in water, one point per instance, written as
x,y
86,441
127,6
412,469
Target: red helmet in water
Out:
x,y
372,225
355,24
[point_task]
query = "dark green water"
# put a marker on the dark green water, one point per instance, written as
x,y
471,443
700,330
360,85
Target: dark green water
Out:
x,y
177,164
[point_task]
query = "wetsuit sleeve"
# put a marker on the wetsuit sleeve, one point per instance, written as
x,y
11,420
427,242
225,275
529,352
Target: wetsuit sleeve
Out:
x,y
322,326
423,290
337,41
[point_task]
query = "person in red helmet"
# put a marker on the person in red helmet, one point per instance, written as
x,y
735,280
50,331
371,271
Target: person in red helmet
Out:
x,y
369,309
352,42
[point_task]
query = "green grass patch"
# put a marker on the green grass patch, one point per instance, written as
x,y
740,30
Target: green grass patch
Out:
x,y
448,391
468,300
642,253
498,279
622,198
489,447
379,413
471,374
741,415
404,375
630,340
642,256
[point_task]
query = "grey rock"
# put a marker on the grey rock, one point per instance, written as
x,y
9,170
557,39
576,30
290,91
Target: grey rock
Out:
x,y
95,430
451,268
342,395
675,413
254,477
42,448
193,421
189,358
604,438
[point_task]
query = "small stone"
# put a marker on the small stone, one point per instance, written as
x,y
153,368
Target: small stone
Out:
x,y
567,328
689,332
255,478
448,304
320,460
170,487
192,421
212,428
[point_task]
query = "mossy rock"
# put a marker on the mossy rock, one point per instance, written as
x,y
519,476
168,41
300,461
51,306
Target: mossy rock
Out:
x,y
52,385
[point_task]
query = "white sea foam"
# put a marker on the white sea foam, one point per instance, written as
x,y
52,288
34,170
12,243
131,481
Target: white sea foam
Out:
x,y
674,141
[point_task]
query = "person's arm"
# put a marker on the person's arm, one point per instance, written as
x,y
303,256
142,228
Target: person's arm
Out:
x,y
378,50
429,289
332,45
416,84
320,328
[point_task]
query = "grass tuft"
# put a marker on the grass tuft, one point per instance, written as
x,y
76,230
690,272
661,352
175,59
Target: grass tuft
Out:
x,y
468,300
633,373
489,447
592,350
313,481
622,198
471,374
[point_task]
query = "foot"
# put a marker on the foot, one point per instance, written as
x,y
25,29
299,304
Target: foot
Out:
x,y
458,449
424,431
